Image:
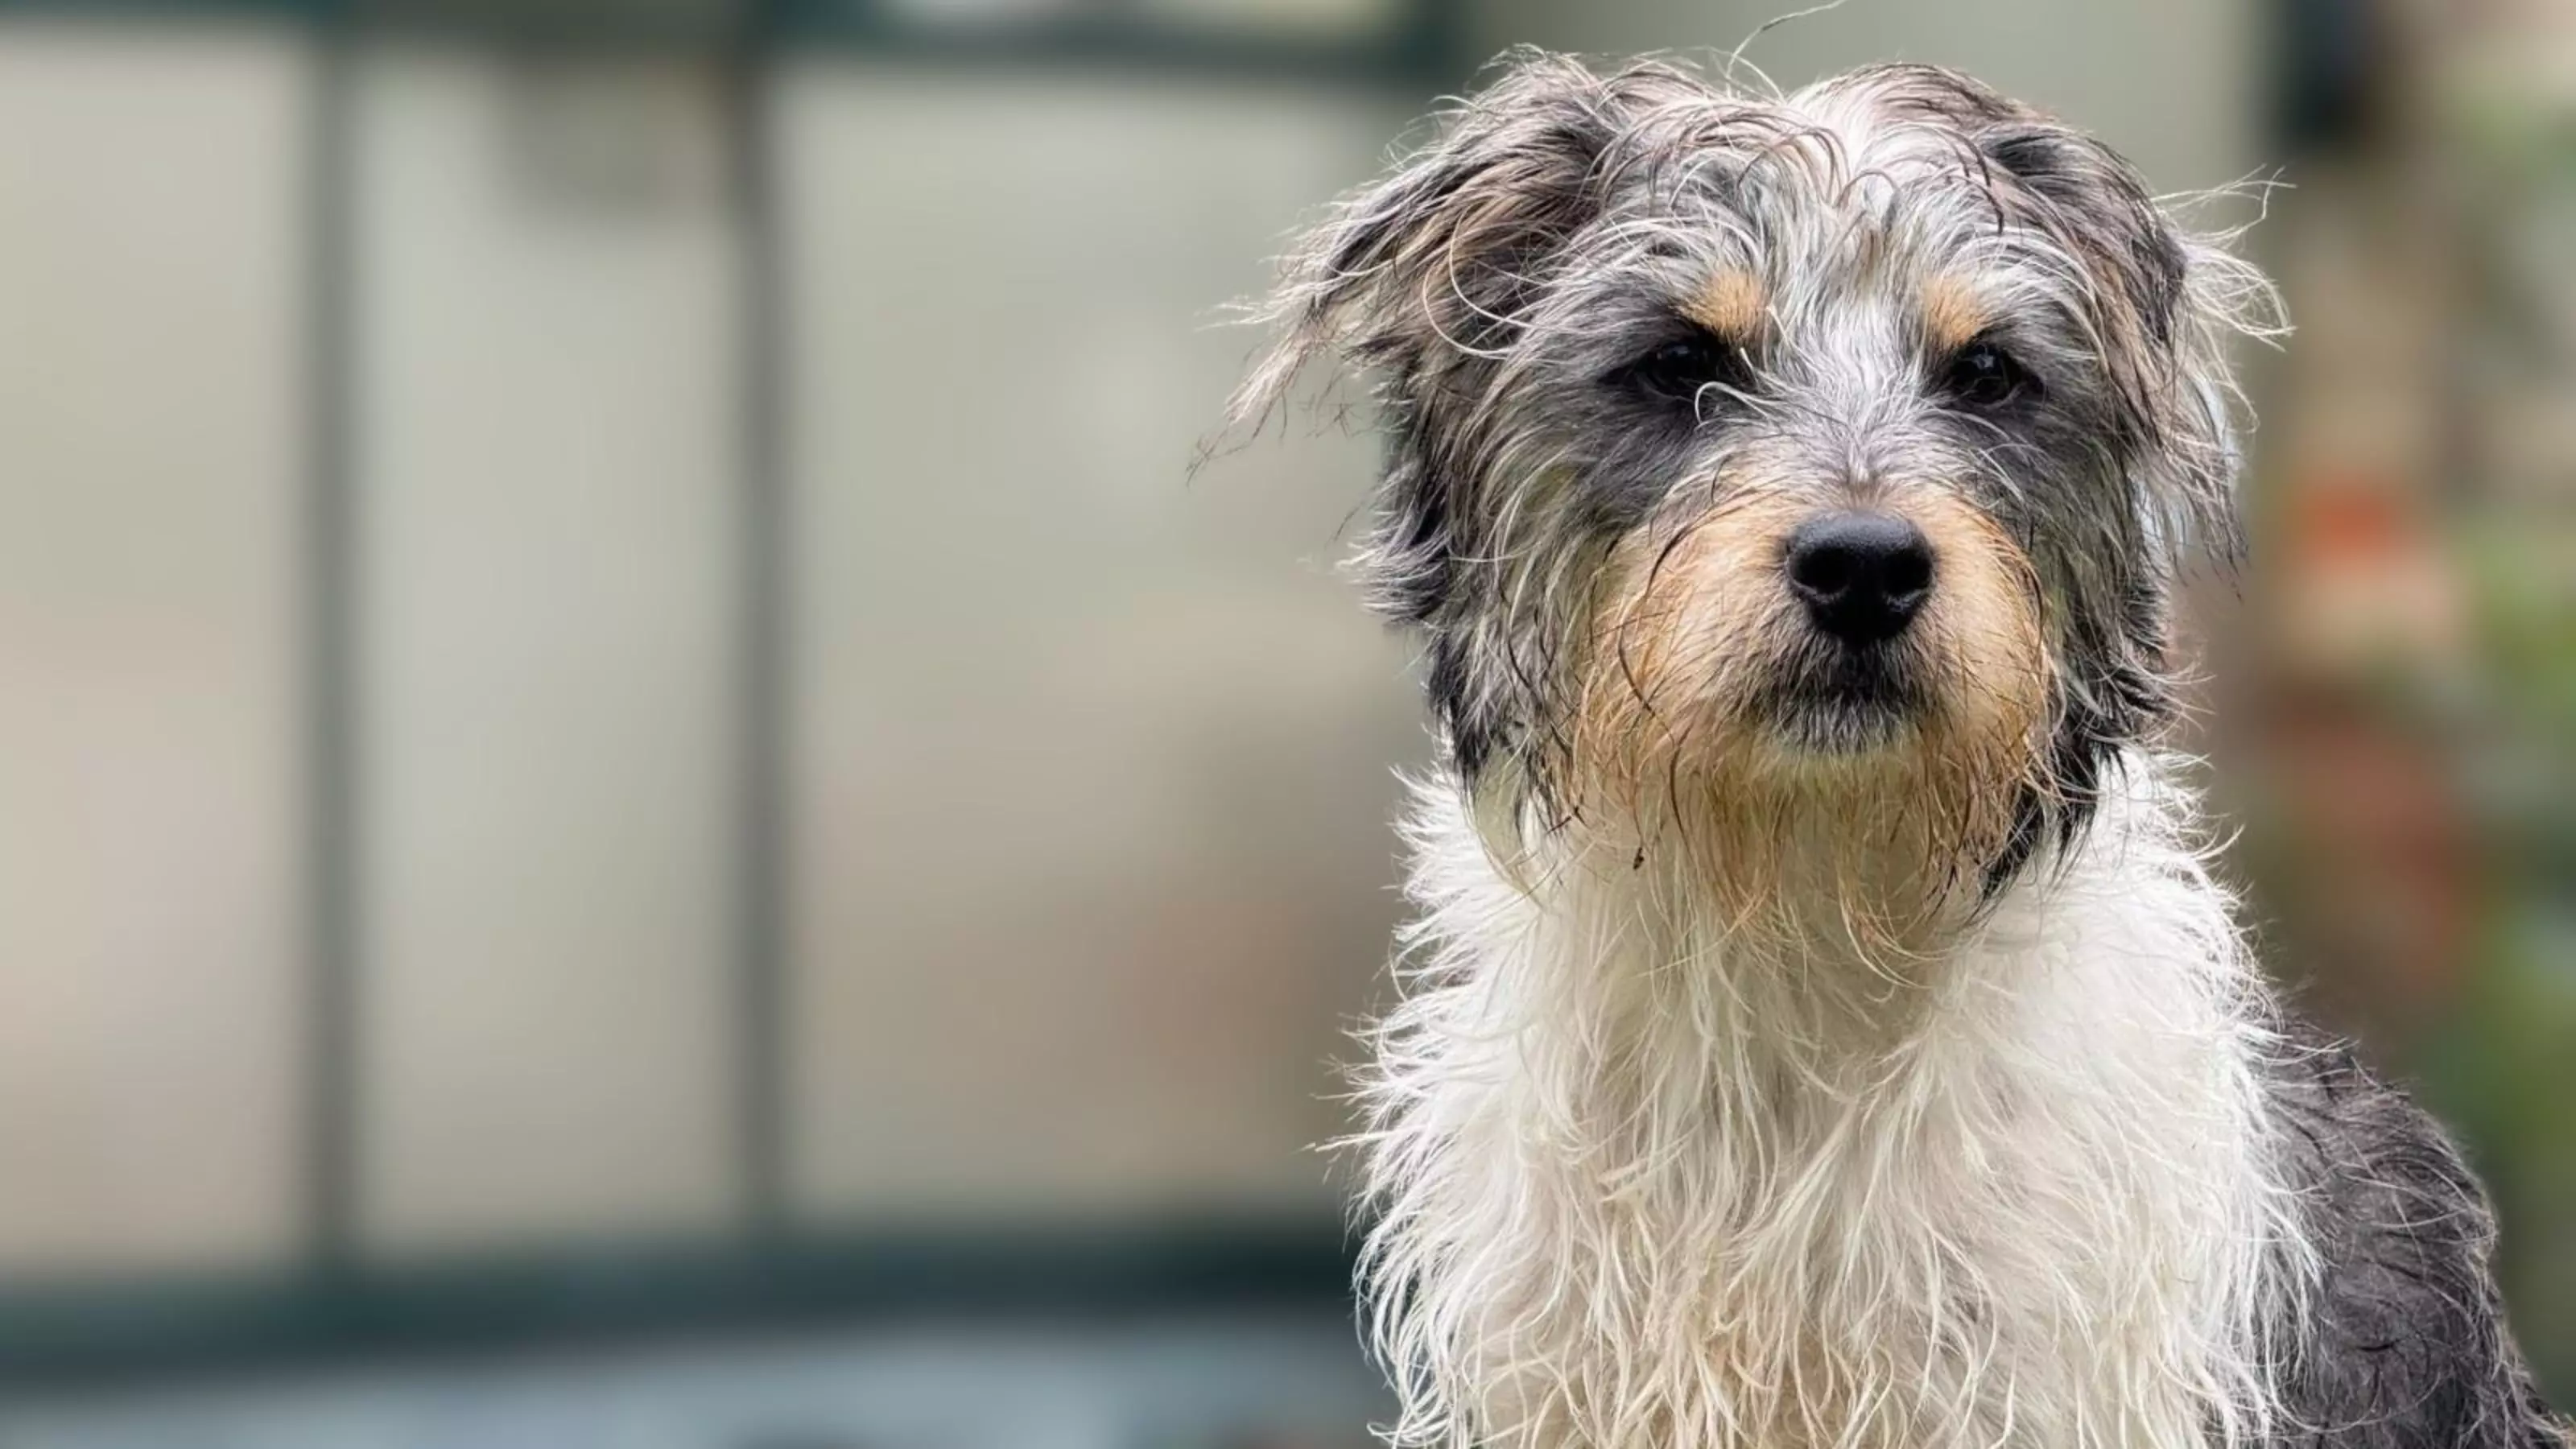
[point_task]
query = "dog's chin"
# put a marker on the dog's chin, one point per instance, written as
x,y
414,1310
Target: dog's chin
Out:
x,y
1845,705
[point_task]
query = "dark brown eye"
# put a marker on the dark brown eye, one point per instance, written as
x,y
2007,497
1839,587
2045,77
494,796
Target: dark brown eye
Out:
x,y
1685,368
1984,376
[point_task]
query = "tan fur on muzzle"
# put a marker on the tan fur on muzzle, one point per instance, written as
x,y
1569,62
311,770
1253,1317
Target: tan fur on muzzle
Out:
x,y
1672,757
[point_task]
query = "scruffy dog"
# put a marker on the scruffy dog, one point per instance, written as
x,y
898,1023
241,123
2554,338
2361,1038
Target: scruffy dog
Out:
x,y
1821,1028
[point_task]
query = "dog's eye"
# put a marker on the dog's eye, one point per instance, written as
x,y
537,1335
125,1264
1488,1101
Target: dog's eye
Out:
x,y
1686,367
1983,375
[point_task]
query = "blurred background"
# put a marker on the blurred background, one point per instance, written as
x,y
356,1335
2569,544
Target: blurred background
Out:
x,y
639,807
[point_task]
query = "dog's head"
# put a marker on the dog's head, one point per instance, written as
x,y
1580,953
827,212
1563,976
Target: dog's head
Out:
x,y
1785,467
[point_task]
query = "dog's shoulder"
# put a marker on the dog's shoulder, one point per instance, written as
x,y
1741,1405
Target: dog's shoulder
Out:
x,y
2403,1344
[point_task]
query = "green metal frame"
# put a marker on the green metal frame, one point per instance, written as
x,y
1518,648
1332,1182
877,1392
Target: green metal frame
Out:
x,y
336,1301
88,1336
1419,51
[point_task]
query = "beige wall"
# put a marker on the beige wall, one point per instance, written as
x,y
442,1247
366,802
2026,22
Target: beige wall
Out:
x,y
150,481
1092,759
545,493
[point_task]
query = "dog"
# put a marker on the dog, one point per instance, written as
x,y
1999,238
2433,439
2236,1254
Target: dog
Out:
x,y
1821,1027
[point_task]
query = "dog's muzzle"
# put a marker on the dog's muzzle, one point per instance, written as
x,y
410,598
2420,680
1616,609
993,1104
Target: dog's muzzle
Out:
x,y
1861,580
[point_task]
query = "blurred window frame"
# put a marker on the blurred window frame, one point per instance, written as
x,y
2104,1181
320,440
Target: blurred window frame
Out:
x,y
336,1304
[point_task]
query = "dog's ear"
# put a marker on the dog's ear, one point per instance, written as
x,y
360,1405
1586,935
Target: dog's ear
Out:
x,y
1443,251
2196,443
2166,306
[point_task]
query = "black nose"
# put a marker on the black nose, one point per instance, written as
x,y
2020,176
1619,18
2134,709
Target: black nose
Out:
x,y
1863,576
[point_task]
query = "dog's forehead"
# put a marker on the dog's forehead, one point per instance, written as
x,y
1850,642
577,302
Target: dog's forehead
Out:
x,y
1893,111
1868,186
1820,142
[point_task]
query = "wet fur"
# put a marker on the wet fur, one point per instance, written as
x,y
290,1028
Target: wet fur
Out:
x,y
1778,1071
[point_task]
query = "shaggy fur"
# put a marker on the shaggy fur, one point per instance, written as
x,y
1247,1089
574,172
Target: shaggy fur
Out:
x,y
1813,1041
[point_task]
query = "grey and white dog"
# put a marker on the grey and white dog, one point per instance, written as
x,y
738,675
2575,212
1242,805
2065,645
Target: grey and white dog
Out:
x,y
1820,1028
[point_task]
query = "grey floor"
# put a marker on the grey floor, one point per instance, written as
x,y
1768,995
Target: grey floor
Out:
x,y
1197,1384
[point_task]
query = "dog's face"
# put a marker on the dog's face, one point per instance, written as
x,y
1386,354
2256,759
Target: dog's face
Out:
x,y
1763,461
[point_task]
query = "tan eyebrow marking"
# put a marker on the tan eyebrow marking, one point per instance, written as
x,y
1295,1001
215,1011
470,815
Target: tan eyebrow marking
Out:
x,y
1730,305
1953,313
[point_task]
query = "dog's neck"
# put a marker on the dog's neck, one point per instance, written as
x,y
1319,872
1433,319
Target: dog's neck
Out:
x,y
1799,930
1650,1178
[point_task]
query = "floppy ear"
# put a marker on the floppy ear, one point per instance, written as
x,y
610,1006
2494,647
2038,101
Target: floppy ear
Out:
x,y
2198,456
2167,306
1443,251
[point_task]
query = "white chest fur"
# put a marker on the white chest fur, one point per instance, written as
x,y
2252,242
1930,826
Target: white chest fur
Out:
x,y
1639,1187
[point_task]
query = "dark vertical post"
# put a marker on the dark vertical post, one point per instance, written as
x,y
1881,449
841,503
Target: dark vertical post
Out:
x,y
331,605
1435,44
762,1047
